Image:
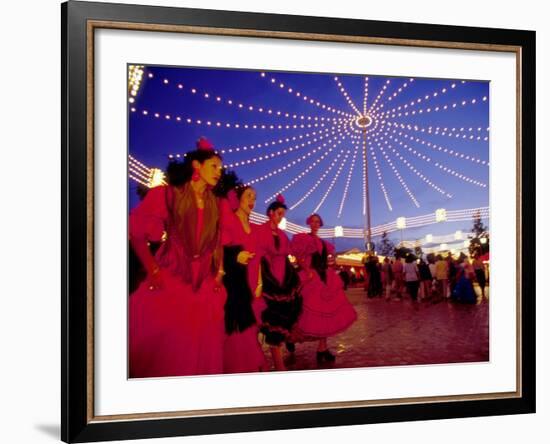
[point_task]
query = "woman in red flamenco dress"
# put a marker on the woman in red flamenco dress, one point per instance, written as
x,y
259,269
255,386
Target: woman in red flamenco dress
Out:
x,y
326,310
242,350
176,316
280,282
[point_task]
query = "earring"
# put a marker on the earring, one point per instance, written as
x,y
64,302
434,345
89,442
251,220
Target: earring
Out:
x,y
195,175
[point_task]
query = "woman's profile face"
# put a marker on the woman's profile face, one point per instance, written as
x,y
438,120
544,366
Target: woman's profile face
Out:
x,y
210,170
248,200
314,223
276,216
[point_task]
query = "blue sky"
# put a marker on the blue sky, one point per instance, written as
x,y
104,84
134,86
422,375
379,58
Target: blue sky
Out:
x,y
407,162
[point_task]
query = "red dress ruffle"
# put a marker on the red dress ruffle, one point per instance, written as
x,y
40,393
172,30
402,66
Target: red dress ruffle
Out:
x,y
242,350
326,310
173,331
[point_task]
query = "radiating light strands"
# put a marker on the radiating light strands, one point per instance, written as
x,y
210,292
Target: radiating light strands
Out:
x,y
399,178
318,182
418,173
300,95
437,108
334,179
440,148
348,180
311,136
380,179
366,96
180,87
291,164
347,97
373,107
278,153
279,141
438,164
456,133
399,91
232,125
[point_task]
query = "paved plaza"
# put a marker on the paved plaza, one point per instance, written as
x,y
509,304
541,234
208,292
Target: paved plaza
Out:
x,y
400,332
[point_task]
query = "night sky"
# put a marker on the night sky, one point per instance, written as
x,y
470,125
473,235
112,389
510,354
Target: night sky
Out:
x,y
416,165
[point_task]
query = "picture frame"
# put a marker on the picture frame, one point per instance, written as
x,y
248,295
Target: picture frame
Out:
x,y
80,20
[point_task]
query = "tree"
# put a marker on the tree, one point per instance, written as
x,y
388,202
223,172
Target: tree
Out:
x,y
478,227
387,247
479,230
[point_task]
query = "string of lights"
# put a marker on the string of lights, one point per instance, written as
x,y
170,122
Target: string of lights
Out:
x,y
334,179
418,173
378,108
441,148
274,142
373,108
346,96
292,163
135,75
318,182
398,175
399,90
453,132
300,95
425,98
366,96
437,164
438,108
348,180
283,152
247,107
234,125
300,176
380,179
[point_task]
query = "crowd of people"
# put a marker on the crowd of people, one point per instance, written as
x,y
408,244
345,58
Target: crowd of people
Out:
x,y
436,278
217,283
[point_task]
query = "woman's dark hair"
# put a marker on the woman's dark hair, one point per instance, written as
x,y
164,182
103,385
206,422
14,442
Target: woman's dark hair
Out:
x,y
311,216
228,181
240,189
178,172
274,206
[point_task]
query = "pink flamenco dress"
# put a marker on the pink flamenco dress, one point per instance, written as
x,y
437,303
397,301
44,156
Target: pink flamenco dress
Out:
x,y
326,310
281,285
242,349
178,329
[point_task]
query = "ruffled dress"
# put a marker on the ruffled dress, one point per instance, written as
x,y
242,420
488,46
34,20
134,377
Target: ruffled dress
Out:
x,y
242,350
178,329
281,285
326,310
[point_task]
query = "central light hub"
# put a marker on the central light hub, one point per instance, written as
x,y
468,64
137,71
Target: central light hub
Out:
x,y
363,121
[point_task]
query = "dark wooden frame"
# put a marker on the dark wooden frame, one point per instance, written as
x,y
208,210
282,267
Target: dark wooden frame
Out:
x,y
79,19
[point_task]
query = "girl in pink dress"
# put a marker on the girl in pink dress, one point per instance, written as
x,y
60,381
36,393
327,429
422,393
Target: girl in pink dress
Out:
x,y
326,310
176,316
242,350
280,282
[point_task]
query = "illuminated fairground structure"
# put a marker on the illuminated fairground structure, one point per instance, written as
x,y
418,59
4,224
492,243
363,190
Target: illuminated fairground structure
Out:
x,y
454,242
410,127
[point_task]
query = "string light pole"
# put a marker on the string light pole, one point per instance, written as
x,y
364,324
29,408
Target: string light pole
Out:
x,y
363,123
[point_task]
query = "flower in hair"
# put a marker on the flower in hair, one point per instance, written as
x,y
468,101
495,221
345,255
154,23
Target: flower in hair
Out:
x,y
204,144
280,198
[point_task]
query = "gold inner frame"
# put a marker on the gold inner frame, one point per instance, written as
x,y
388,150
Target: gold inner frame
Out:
x,y
92,25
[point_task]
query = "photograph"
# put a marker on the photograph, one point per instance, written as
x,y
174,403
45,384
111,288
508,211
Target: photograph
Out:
x,y
286,221
283,221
